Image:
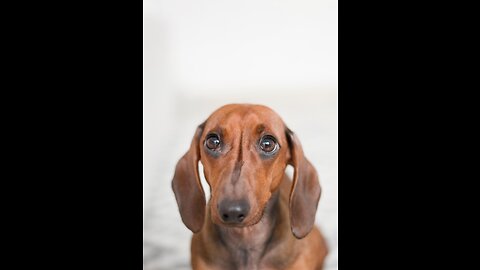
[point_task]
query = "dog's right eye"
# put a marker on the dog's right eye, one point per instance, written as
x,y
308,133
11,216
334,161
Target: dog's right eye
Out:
x,y
268,145
212,142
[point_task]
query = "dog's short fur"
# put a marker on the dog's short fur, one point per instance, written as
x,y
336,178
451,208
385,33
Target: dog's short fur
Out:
x,y
256,217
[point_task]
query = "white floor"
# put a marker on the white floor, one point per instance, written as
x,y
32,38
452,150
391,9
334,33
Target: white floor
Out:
x,y
169,122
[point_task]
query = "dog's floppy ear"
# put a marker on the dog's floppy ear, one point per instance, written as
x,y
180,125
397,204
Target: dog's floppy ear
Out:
x,y
187,187
305,191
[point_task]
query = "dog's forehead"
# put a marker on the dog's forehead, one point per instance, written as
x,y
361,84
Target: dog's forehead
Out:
x,y
250,116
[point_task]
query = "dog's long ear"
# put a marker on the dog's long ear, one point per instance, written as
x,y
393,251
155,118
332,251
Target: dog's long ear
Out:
x,y
187,187
305,191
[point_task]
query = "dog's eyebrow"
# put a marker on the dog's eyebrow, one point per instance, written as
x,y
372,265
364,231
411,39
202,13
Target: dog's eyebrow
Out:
x,y
217,129
260,128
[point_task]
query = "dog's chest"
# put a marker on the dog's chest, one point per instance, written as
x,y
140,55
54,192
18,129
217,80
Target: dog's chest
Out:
x,y
247,245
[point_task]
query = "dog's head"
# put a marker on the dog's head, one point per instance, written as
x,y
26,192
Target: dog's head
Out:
x,y
244,150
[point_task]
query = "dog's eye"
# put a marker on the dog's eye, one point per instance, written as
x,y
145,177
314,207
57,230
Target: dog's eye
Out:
x,y
268,144
212,142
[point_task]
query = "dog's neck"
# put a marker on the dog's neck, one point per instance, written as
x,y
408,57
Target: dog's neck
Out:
x,y
247,246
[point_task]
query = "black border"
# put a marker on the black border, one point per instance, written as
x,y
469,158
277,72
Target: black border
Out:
x,y
81,187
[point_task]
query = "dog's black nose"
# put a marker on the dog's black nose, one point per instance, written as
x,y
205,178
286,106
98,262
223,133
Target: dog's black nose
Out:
x,y
233,211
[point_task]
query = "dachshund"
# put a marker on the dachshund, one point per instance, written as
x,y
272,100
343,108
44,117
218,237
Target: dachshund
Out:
x,y
256,218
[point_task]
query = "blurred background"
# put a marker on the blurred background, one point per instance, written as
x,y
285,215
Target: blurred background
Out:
x,y
200,55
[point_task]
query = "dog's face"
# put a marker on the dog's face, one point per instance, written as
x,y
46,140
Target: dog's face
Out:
x,y
244,150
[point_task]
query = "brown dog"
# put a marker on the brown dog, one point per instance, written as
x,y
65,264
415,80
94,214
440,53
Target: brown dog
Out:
x,y
256,217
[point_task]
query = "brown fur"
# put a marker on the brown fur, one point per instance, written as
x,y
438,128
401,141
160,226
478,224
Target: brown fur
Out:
x,y
279,231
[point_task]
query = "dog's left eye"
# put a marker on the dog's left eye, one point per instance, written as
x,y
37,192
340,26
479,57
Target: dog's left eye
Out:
x,y
212,142
268,144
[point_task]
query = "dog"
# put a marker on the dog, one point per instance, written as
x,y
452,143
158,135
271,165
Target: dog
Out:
x,y
256,218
